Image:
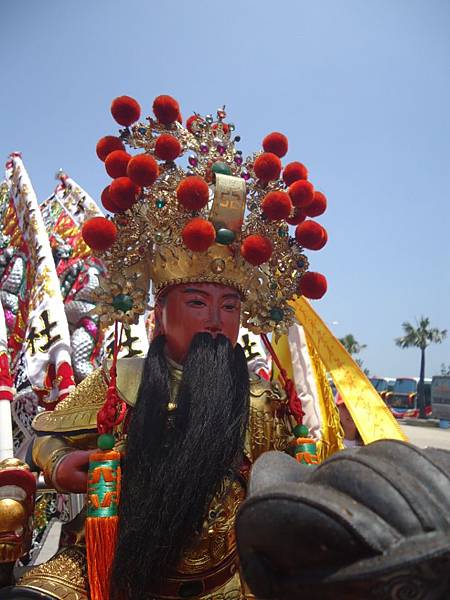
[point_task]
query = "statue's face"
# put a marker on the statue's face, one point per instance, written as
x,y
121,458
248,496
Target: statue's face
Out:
x,y
191,308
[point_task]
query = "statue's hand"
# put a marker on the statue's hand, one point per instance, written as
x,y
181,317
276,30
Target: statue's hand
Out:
x,y
71,472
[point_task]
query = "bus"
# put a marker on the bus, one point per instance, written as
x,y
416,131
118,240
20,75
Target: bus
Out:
x,y
440,397
403,399
383,385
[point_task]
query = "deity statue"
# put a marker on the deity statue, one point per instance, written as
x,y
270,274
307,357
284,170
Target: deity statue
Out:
x,y
188,421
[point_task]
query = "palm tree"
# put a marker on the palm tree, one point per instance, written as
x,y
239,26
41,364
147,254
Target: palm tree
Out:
x,y
354,347
351,345
445,369
420,337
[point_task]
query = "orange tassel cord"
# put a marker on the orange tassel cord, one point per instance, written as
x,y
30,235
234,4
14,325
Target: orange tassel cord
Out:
x,y
103,491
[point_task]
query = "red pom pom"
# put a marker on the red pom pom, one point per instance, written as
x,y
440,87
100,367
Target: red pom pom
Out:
x,y
301,193
317,207
198,235
297,217
116,163
224,126
166,109
313,285
123,193
256,249
108,144
99,233
193,193
108,204
276,206
190,121
277,143
311,235
143,170
167,147
293,172
125,110
180,118
267,166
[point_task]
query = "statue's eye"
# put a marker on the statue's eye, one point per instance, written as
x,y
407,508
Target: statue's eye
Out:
x,y
196,303
230,307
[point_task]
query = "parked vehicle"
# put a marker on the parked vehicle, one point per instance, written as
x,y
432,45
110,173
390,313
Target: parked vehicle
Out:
x,y
403,399
440,397
383,385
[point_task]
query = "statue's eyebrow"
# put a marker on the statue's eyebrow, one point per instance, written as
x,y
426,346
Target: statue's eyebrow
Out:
x,y
195,291
232,295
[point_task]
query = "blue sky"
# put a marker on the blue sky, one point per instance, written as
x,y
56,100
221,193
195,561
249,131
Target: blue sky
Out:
x,y
361,88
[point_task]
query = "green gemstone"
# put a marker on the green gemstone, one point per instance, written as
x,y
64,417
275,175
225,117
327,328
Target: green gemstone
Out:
x,y
276,314
122,302
282,232
225,236
160,203
221,167
106,441
301,431
273,286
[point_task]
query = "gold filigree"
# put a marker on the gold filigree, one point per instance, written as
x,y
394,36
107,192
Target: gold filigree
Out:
x,y
266,430
122,288
64,576
216,541
79,410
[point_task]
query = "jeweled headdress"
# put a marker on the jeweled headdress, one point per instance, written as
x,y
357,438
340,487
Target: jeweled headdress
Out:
x,y
190,208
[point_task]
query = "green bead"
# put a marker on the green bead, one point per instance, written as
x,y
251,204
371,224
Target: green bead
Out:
x,y
225,236
276,314
122,302
301,431
273,286
282,232
106,441
221,167
160,203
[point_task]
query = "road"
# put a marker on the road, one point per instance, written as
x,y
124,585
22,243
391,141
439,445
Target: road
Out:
x,y
427,436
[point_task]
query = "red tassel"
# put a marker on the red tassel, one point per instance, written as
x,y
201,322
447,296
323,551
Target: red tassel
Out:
x,y
102,519
295,404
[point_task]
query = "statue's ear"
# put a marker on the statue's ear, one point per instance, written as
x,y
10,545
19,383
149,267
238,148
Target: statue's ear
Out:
x,y
159,326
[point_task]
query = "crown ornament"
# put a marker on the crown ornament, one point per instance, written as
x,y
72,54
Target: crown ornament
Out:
x,y
190,208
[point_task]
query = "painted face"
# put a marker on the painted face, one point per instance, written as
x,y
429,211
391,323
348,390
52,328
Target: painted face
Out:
x,y
191,308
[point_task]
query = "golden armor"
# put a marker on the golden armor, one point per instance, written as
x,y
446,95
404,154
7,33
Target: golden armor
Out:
x,y
210,564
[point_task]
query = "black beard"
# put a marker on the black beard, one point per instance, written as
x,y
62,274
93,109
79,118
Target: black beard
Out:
x,y
174,466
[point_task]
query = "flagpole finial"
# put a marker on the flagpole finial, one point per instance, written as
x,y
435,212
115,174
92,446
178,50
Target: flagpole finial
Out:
x,y
60,174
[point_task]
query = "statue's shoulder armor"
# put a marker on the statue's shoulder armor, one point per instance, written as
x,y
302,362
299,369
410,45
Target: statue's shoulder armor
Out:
x,y
266,431
265,395
78,412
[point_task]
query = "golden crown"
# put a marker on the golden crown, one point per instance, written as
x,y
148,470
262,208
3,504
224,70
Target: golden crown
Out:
x,y
190,208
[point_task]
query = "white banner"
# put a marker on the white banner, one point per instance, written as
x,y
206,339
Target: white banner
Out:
x,y
46,351
6,394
